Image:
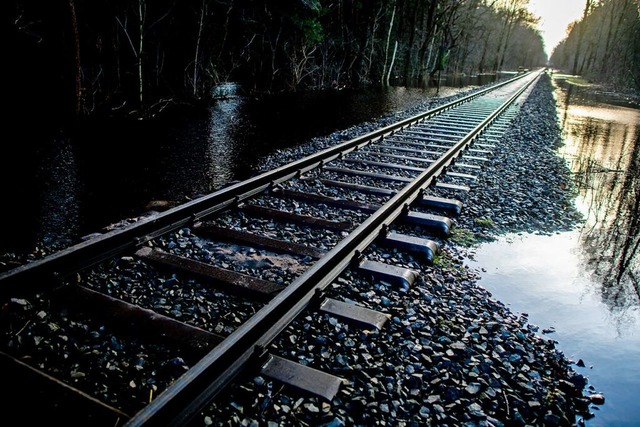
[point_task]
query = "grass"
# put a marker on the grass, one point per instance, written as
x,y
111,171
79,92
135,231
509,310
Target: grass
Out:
x,y
463,237
444,261
485,222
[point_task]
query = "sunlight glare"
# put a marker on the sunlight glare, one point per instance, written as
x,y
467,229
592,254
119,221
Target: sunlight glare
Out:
x,y
555,17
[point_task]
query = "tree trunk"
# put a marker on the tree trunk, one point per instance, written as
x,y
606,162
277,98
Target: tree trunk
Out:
x,y
580,36
196,59
430,54
372,41
614,30
141,14
76,51
485,48
429,34
408,61
506,44
385,75
500,43
393,59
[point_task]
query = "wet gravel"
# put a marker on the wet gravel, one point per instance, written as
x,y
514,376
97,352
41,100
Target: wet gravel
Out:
x,y
450,354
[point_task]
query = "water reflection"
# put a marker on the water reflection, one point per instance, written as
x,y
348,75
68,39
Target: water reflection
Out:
x,y
603,151
448,81
223,120
202,155
60,195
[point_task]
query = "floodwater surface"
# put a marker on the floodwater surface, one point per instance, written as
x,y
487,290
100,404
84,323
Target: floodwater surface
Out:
x,y
584,285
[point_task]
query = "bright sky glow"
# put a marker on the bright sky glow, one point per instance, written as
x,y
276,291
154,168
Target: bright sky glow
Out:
x,y
555,16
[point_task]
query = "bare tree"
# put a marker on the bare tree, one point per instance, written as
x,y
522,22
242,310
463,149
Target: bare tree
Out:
x,y
76,51
514,12
386,71
577,53
142,11
196,56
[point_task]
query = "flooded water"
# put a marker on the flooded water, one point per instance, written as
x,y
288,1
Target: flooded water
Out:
x,y
585,284
62,184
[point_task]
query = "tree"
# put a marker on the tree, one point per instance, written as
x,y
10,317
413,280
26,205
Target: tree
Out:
x,y
581,32
604,45
76,50
137,56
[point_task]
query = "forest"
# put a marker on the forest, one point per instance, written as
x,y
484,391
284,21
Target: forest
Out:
x,y
87,57
604,46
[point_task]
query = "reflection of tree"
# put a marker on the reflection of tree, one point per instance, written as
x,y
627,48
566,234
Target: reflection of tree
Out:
x,y
567,102
611,236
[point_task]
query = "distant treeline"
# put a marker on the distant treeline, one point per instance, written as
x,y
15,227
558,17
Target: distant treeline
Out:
x,y
91,56
604,46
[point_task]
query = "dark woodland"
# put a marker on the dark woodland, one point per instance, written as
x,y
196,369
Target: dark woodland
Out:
x,y
605,45
73,58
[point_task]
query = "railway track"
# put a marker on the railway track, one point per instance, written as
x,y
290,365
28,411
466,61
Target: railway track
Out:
x,y
147,324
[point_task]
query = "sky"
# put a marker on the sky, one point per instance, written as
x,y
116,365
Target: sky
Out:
x,y
555,16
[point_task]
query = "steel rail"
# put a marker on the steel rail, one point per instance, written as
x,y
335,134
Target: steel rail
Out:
x,y
186,397
38,274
